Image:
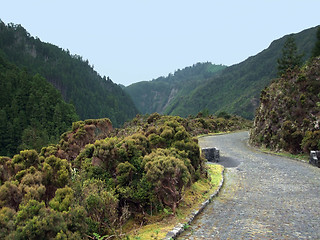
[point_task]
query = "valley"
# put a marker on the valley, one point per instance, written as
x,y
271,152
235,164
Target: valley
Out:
x,y
85,158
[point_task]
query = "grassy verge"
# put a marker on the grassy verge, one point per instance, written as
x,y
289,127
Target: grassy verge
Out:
x,y
164,222
301,157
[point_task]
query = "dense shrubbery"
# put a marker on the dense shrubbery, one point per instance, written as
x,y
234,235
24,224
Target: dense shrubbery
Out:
x,y
289,114
97,178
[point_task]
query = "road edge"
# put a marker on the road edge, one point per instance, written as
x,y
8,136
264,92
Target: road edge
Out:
x,y
181,227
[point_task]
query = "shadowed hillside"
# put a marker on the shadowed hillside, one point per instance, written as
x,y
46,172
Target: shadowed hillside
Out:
x,y
92,95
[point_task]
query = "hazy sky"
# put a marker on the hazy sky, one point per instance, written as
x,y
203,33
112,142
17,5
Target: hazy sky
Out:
x,y
138,40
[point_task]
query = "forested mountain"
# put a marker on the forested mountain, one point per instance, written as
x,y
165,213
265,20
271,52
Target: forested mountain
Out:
x,y
158,94
289,114
32,112
79,84
235,89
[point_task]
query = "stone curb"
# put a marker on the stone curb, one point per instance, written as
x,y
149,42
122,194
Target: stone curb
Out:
x,y
177,230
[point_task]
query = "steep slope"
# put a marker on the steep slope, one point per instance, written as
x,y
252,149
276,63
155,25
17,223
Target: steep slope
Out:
x,y
158,94
289,114
92,95
236,89
32,112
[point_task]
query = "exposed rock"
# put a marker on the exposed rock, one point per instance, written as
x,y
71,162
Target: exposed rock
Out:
x,y
211,154
315,158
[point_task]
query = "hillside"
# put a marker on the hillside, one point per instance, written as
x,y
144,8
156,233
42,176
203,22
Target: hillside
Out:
x,y
235,89
32,112
289,113
92,95
158,94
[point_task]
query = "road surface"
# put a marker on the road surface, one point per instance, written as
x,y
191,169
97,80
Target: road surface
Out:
x,y
264,196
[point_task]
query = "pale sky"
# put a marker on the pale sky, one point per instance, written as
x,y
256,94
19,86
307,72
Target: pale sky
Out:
x,y
139,40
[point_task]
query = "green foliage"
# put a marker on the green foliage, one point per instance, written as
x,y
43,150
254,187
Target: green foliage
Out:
x,y
288,116
169,176
26,159
10,195
96,180
311,141
101,206
93,96
28,115
31,186
62,200
35,221
316,49
7,219
290,57
56,171
169,88
235,89
125,172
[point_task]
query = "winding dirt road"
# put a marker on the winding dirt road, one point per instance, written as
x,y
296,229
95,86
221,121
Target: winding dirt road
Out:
x,y
264,196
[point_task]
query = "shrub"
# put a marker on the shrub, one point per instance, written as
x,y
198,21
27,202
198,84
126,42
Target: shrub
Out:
x,y
62,200
311,141
35,221
100,204
26,159
10,195
169,175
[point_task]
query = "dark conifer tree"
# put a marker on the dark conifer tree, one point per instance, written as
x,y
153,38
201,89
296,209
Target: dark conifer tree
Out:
x,y
316,49
290,57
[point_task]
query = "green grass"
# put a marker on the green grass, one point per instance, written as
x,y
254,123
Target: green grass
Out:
x,y
301,157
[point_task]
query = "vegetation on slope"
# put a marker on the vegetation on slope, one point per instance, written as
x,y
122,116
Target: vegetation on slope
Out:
x,y
97,178
158,94
235,89
32,112
92,95
289,114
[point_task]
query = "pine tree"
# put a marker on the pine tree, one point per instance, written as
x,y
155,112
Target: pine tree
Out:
x,y
316,49
290,57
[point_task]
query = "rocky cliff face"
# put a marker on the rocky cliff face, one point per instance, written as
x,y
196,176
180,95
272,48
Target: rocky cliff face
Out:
x,y
289,113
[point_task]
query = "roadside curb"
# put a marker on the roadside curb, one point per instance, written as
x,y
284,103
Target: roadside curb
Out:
x,y
177,230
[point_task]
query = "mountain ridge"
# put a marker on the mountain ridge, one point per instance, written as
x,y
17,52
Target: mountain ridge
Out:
x,y
160,92
235,89
92,95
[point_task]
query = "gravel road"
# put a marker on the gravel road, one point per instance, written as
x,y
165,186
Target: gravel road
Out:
x,y
264,196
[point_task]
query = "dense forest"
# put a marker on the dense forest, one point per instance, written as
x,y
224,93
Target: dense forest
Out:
x,y
158,94
32,112
98,178
92,95
235,89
